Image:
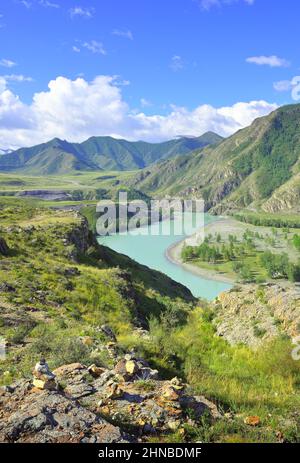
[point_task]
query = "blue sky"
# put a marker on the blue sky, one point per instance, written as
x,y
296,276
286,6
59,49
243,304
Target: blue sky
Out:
x,y
168,67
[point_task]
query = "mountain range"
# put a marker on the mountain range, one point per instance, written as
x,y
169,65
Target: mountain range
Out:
x,y
259,165
98,153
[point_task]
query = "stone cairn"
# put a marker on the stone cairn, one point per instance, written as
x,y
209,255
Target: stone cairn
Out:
x,y
43,376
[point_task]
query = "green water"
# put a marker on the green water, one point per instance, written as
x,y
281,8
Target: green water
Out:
x,y
150,250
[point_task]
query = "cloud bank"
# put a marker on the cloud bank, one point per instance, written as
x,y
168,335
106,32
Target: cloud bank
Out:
x,y
77,109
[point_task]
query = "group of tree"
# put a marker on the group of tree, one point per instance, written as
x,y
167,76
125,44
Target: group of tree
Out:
x,y
279,266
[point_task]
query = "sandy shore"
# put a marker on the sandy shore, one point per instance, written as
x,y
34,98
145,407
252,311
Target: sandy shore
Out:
x,y
173,254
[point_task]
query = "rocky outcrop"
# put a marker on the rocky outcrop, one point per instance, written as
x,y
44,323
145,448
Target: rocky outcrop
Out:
x,y
46,195
28,414
251,314
4,249
97,405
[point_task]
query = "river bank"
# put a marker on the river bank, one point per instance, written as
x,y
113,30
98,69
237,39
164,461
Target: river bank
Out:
x,y
173,253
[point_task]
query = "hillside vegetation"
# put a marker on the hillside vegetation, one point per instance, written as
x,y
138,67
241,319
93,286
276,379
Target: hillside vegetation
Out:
x,y
257,166
97,153
57,286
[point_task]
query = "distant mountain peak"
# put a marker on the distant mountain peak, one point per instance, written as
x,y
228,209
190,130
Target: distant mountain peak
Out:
x,y
98,153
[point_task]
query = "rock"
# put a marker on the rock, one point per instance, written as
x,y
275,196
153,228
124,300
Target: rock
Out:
x,y
49,416
108,332
33,413
67,370
171,392
120,367
7,288
131,367
114,391
42,370
95,371
252,420
4,249
250,316
146,373
174,425
43,377
75,380
41,384
87,341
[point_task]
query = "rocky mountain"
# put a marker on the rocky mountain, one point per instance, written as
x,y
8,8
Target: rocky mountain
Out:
x,y
98,153
259,164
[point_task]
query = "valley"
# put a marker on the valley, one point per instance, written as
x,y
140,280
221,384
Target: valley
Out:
x,y
211,326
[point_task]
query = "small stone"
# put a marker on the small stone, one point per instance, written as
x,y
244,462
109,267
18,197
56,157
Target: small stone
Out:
x,y
95,371
115,392
174,425
108,332
87,341
252,420
131,367
170,393
176,381
40,384
42,371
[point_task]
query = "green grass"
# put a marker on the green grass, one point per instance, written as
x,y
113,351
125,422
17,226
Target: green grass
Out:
x,y
60,295
265,219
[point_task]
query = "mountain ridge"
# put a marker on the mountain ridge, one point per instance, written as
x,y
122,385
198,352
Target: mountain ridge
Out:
x,y
98,153
250,167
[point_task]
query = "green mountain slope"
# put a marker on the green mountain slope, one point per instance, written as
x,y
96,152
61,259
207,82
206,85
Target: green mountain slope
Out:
x,y
247,168
98,153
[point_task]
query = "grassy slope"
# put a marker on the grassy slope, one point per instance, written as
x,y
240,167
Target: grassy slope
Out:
x,y
97,153
45,305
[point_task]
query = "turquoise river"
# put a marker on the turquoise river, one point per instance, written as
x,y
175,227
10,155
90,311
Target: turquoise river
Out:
x,y
150,250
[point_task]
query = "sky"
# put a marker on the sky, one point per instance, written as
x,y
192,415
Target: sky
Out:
x,y
142,69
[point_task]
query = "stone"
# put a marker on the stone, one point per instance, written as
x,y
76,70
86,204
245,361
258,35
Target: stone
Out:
x,y
51,417
174,425
114,391
50,385
252,420
131,367
67,370
95,371
4,249
108,332
87,341
171,393
146,373
43,376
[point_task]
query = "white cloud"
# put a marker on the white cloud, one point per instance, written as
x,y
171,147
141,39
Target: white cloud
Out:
x,y
17,78
83,12
176,63
77,109
208,4
7,63
95,47
76,49
26,4
126,34
273,61
48,4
